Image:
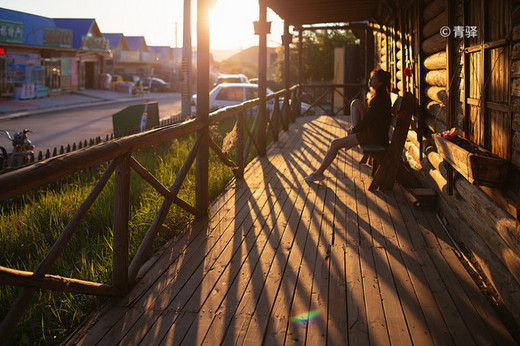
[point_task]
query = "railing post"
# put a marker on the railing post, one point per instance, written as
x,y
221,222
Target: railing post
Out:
x,y
202,163
275,115
333,91
239,154
121,216
296,109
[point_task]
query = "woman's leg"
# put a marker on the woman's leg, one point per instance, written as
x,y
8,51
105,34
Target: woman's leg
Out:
x,y
357,111
337,144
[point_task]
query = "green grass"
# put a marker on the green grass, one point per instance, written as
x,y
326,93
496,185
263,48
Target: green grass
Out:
x,y
31,224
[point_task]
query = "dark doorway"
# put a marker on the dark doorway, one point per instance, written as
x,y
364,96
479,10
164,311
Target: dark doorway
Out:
x,y
90,75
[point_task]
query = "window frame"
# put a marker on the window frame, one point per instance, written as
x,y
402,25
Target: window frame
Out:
x,y
485,46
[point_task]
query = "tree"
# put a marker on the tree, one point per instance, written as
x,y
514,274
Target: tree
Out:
x,y
318,55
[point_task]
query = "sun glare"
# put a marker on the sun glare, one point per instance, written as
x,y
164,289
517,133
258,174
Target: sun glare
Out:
x,y
231,24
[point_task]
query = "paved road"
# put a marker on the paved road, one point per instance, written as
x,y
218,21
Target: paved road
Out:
x,y
64,127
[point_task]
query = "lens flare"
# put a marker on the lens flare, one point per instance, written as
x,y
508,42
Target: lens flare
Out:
x,y
306,316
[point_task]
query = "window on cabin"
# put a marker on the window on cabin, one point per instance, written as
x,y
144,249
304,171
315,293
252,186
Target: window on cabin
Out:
x,y
487,108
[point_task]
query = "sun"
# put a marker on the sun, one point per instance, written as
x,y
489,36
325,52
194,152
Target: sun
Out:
x,y
231,24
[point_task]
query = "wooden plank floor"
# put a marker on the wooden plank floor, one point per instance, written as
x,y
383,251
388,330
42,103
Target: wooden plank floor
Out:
x,y
284,262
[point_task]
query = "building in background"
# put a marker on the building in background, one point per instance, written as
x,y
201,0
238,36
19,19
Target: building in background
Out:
x,y
42,56
31,50
92,48
137,59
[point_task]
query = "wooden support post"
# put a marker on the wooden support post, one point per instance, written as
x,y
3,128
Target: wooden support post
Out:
x,y
286,41
121,215
300,70
202,165
262,31
186,61
419,72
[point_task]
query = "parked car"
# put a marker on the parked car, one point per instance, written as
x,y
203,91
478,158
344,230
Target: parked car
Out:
x,y
156,85
224,95
231,78
228,94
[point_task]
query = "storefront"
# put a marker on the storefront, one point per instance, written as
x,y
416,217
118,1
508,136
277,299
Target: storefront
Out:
x,y
37,58
84,69
92,60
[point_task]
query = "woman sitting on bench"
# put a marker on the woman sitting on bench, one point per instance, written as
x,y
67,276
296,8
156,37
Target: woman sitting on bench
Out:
x,y
370,125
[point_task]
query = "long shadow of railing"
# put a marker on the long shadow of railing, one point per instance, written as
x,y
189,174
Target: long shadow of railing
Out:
x,y
118,153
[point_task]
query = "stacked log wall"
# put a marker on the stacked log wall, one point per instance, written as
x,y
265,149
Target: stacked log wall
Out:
x,y
433,47
485,226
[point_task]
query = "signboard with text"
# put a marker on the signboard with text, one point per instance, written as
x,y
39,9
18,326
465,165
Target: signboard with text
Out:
x,y
11,32
94,43
57,37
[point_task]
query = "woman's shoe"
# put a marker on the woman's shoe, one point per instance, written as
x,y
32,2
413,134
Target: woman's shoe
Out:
x,y
314,177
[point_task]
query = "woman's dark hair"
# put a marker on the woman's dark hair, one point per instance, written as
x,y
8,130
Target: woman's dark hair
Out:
x,y
384,77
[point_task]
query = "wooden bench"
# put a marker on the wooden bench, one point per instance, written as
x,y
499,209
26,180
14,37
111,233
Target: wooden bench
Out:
x,y
386,161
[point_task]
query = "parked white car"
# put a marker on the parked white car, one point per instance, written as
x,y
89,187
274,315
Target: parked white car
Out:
x,y
224,95
228,94
231,78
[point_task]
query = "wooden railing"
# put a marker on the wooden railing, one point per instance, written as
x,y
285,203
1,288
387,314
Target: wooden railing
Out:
x,y
118,153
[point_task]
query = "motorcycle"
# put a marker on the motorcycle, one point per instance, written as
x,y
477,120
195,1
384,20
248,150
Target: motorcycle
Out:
x,y
22,152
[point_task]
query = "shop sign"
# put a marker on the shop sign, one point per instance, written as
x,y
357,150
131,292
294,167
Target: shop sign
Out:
x,y
11,32
25,59
57,37
94,43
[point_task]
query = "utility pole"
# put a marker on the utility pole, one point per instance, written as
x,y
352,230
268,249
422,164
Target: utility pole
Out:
x,y
186,61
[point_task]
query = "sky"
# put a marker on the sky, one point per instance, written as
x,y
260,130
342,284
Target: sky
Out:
x,y
231,21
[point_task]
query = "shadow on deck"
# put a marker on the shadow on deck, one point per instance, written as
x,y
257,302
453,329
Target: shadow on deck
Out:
x,y
283,262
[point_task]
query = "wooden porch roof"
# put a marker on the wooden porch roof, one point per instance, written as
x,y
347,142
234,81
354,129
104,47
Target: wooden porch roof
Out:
x,y
301,12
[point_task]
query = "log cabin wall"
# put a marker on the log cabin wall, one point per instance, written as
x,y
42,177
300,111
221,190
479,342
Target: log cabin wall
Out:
x,y
485,87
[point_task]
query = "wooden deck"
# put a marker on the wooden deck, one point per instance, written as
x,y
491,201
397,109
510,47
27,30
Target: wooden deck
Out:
x,y
284,262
